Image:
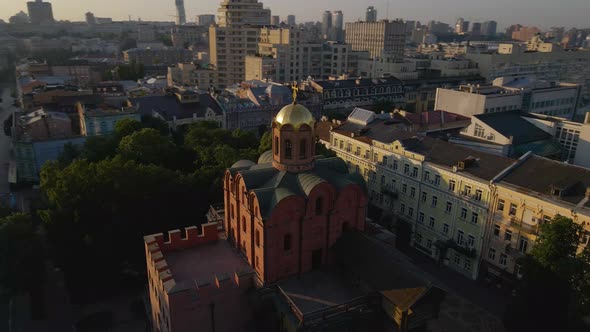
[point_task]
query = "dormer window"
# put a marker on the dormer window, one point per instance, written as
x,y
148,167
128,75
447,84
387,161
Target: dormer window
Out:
x,y
555,192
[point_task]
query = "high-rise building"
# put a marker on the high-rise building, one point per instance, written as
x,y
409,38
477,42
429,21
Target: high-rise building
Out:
x,y
235,37
205,20
90,19
40,12
488,28
338,26
476,29
291,20
180,13
459,25
275,20
371,15
377,37
525,33
326,24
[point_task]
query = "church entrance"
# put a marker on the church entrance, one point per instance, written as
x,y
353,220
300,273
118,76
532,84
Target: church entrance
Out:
x,y
316,259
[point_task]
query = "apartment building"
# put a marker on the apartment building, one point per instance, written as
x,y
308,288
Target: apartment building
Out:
x,y
235,37
438,193
151,57
527,195
191,75
377,37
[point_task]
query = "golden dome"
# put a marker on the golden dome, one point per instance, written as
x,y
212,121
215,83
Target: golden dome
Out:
x,y
295,115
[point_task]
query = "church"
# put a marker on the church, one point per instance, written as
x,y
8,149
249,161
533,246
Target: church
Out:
x,y
287,210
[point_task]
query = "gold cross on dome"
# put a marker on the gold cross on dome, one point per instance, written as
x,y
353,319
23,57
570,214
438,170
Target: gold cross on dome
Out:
x,y
295,90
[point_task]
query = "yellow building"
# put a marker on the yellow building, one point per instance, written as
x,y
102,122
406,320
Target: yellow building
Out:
x,y
439,190
527,195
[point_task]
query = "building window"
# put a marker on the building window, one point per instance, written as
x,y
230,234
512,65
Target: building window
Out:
x,y
257,238
277,145
470,241
492,254
479,131
402,208
412,192
446,228
497,230
288,149
415,172
523,244
512,210
406,169
404,188
474,217
384,161
463,213
426,176
460,237
395,165
319,206
429,244
287,242
503,258
244,224
431,222
457,259
434,201
424,196
501,203
382,179
508,235
478,194
452,185
418,238
467,265
437,180
449,207
302,146
467,190
421,218
411,212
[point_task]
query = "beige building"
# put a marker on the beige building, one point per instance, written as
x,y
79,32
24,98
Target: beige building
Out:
x,y
436,193
191,75
377,37
527,195
42,125
287,55
236,37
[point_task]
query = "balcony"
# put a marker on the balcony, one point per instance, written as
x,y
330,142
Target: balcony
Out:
x,y
515,223
451,244
389,190
513,252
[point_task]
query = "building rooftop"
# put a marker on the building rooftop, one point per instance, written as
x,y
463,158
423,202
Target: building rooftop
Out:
x,y
272,185
551,179
359,82
204,262
511,124
435,117
169,106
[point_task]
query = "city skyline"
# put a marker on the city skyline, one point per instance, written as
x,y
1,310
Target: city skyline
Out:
x,y
541,13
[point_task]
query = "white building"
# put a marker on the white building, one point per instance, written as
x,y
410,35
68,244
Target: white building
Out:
x,y
506,94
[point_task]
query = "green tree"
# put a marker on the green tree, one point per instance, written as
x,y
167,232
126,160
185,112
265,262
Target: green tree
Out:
x,y
21,256
68,155
127,127
552,273
265,142
147,146
155,123
98,148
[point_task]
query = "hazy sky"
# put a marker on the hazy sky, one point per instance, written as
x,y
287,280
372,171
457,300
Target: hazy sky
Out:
x,y
543,13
